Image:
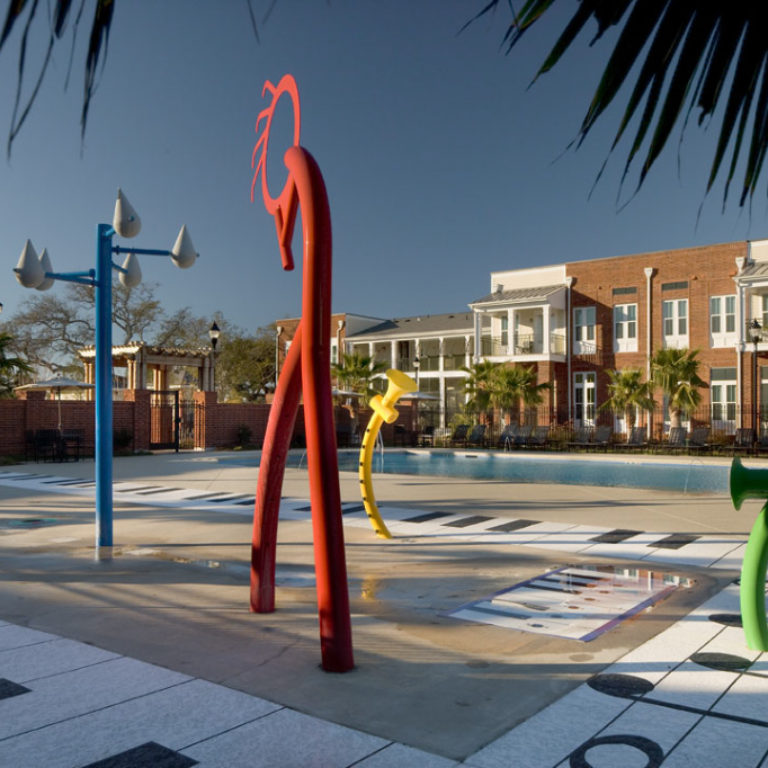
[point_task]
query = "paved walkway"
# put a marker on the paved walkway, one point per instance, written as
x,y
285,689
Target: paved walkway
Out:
x,y
151,655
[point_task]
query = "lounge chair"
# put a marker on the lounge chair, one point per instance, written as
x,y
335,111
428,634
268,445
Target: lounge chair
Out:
x,y
744,440
677,439
522,434
582,438
602,438
538,438
637,439
460,434
477,436
426,437
507,437
699,440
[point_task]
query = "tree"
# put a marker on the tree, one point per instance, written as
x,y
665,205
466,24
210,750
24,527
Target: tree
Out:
x,y
512,386
628,392
10,367
50,329
245,365
685,56
355,373
479,385
676,372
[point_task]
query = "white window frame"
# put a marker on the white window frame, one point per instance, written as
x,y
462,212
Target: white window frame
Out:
x,y
584,398
723,397
584,330
625,328
722,321
674,322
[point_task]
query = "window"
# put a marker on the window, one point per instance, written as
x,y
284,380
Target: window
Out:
x,y
504,331
584,399
675,319
765,311
625,328
723,398
584,330
722,321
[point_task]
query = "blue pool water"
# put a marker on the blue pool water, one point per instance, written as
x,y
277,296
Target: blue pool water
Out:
x,y
684,477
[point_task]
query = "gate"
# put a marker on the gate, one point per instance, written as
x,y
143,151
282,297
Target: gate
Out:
x,y
187,411
164,420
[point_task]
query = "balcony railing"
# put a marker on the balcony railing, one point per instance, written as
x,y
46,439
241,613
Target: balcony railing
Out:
x,y
524,344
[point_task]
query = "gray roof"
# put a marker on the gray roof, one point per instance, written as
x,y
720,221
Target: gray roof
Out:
x,y
756,269
398,327
519,295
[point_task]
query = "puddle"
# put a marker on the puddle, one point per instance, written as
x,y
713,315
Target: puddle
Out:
x,y
577,603
29,522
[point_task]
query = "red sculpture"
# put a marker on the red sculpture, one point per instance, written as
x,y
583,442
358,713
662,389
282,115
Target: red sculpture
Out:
x,y
307,370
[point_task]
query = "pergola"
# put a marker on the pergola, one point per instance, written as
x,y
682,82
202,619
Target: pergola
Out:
x,y
142,361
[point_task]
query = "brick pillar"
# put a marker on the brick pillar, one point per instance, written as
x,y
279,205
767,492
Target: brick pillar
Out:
x,y
141,417
205,418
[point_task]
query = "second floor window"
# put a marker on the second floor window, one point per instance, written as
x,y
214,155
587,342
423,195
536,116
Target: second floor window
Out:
x,y
675,318
504,331
625,327
722,319
584,325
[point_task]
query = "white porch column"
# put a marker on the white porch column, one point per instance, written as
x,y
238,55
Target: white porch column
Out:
x,y
512,339
393,353
546,329
478,336
440,354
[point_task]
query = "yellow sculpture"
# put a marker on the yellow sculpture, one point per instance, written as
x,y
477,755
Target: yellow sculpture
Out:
x,y
383,410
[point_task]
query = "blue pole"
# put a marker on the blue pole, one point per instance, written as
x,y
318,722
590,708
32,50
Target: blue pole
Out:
x,y
103,382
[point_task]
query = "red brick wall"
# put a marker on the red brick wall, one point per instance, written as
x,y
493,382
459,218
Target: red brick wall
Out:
x,y
708,270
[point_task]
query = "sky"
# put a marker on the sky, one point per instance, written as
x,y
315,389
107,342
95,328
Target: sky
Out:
x,y
441,163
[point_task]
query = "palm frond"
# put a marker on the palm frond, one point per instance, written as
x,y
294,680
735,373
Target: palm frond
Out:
x,y
692,55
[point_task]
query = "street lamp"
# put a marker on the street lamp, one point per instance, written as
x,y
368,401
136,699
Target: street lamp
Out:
x,y
36,272
213,333
755,332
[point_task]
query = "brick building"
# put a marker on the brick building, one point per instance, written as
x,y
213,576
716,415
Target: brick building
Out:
x,y
575,321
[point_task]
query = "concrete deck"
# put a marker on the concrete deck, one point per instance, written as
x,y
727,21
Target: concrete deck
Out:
x,y
156,643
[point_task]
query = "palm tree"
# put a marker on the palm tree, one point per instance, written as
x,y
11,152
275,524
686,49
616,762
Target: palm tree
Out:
x,y
697,55
513,385
479,385
627,393
355,373
676,371
10,367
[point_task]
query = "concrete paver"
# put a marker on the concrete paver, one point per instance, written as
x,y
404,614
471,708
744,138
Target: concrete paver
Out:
x,y
427,689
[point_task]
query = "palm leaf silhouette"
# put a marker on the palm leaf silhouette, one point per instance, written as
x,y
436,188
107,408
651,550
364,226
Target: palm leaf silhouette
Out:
x,y
692,55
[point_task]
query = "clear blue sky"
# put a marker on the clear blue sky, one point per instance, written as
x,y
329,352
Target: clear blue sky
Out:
x,y
441,165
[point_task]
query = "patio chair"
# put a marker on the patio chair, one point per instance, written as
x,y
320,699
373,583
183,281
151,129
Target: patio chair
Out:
x,y
507,437
677,439
637,439
762,441
582,438
426,437
539,437
477,436
743,440
699,440
602,438
521,435
460,434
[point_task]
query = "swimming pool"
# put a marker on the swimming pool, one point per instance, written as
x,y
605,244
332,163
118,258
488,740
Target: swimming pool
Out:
x,y
686,477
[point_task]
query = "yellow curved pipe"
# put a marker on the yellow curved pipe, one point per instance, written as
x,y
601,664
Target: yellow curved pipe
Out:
x,y
383,410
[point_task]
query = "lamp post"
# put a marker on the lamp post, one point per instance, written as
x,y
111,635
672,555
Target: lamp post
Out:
x,y
213,333
755,331
37,272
